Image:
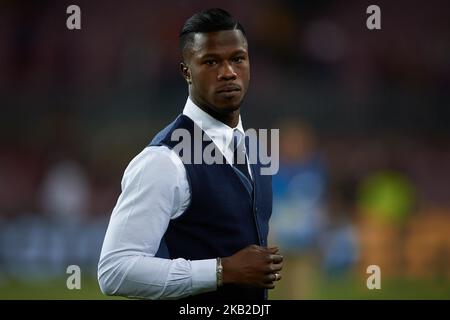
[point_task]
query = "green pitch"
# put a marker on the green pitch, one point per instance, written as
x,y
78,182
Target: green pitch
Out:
x,y
322,289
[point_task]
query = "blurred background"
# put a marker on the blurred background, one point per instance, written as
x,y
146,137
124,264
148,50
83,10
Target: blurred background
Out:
x,y
363,117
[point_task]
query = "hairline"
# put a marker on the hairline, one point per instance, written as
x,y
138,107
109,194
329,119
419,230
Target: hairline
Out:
x,y
191,38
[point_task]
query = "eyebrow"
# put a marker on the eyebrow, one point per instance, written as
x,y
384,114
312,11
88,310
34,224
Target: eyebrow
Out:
x,y
217,55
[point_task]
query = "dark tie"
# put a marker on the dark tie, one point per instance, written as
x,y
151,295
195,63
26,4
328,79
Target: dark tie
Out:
x,y
239,154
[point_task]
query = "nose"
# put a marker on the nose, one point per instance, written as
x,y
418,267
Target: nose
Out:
x,y
226,72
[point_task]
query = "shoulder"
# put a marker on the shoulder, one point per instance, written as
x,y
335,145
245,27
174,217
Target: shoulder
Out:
x,y
154,157
155,163
165,136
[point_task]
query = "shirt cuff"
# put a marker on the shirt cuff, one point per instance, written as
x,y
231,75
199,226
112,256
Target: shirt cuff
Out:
x,y
204,278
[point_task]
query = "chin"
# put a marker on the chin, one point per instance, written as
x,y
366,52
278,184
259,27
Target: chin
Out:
x,y
228,105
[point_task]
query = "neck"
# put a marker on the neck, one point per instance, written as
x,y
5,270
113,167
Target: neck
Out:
x,y
231,118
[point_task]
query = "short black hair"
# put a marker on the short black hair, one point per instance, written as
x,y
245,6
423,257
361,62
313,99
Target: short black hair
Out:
x,y
205,21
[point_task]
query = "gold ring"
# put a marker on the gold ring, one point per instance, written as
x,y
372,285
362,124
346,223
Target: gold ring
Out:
x,y
277,276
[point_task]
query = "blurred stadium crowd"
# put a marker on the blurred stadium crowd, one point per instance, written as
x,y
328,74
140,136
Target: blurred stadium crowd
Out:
x,y
363,117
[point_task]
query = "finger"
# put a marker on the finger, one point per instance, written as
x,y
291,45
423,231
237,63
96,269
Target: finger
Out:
x,y
269,278
268,285
273,277
275,267
273,250
276,258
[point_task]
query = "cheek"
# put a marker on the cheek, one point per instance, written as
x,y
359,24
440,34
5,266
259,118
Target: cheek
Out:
x,y
245,76
205,81
244,71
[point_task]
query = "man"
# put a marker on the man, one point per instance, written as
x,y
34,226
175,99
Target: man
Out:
x,y
211,218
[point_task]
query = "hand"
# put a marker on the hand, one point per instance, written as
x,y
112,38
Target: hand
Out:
x,y
253,266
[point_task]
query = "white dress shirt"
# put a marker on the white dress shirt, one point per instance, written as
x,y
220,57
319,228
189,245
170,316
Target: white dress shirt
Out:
x,y
155,190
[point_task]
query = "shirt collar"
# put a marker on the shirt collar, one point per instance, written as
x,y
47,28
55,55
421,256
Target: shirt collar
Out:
x,y
220,133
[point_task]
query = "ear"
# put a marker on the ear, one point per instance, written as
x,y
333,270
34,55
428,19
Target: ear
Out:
x,y
185,72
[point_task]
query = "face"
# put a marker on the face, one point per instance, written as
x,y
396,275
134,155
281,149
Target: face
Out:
x,y
218,70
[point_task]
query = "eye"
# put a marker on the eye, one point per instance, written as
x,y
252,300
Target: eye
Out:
x,y
238,59
210,62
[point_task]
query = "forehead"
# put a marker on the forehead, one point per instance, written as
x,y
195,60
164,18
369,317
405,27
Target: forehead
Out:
x,y
218,42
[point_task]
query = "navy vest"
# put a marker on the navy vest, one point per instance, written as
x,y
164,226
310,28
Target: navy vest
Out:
x,y
225,214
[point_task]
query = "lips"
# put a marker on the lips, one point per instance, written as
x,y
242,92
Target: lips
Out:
x,y
229,88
